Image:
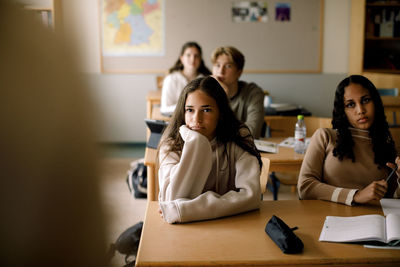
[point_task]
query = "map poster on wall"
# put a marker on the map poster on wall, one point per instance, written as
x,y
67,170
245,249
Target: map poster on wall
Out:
x,y
132,27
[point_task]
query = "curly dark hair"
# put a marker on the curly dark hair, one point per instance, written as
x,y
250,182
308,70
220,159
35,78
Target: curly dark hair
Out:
x,y
229,128
178,66
382,141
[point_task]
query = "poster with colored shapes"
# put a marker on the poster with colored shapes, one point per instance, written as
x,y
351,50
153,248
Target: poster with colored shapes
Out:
x,y
132,27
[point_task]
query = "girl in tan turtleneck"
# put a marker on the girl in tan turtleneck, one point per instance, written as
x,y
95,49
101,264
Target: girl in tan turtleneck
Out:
x,y
349,163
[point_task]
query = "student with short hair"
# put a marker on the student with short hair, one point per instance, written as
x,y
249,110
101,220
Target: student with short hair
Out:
x,y
209,166
246,99
349,163
188,66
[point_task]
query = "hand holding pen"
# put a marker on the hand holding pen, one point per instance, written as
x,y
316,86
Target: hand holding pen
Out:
x,y
376,190
394,167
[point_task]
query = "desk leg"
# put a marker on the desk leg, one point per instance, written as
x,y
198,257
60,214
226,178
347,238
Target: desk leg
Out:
x,y
151,187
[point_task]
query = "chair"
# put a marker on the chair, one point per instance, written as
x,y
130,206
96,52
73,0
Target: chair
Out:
x,y
264,174
160,80
283,126
154,97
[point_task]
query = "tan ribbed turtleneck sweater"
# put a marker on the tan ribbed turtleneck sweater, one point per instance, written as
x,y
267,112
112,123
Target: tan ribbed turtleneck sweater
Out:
x,y
323,176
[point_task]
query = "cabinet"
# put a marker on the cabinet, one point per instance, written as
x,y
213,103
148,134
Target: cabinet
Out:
x,y
374,49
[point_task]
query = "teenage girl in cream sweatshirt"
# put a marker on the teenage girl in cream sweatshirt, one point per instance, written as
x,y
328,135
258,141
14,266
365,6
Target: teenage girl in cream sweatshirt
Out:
x,y
208,164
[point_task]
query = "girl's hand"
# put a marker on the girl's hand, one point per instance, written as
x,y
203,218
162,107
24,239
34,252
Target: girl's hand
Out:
x,y
371,193
392,166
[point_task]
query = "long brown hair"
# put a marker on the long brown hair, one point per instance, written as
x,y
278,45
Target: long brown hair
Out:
x,y
382,141
229,128
178,66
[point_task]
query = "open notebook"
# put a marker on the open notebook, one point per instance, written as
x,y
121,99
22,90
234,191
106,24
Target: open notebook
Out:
x,y
364,228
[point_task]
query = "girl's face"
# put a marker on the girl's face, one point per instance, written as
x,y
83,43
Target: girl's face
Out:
x,y
191,58
359,106
201,113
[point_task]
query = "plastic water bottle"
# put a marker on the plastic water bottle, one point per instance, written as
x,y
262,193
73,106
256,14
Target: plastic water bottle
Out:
x,y
300,135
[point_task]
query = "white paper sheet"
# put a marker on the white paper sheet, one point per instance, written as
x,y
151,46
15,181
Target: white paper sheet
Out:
x,y
390,205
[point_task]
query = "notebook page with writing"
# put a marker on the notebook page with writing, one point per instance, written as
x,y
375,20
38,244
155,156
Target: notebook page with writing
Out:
x,y
354,229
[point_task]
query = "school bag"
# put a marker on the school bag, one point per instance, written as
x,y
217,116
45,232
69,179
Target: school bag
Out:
x,y
137,179
127,244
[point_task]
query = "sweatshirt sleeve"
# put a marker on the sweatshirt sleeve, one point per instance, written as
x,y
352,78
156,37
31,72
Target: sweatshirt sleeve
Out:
x,y
168,101
185,176
310,185
193,205
255,111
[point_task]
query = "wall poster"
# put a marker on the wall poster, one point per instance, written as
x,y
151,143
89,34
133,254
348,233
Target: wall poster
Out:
x,y
132,27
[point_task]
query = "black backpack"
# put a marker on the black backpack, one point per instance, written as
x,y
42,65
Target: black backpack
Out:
x,y
127,243
137,179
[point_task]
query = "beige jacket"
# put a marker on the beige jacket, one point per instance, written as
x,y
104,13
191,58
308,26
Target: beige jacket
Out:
x,y
207,181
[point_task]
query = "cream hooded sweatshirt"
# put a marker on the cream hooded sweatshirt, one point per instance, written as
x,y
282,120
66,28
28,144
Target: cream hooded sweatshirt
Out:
x,y
207,181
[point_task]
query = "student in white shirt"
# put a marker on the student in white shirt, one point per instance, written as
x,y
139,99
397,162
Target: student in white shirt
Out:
x,y
208,164
187,67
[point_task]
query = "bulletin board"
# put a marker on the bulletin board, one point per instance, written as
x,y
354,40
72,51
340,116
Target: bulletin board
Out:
x,y
274,46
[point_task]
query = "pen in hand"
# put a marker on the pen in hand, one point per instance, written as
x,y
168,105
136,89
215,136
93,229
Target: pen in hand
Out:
x,y
391,173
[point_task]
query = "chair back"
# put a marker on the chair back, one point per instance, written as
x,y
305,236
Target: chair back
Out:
x,y
159,81
264,174
283,126
313,123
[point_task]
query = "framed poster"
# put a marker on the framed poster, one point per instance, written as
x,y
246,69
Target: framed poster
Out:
x,y
131,29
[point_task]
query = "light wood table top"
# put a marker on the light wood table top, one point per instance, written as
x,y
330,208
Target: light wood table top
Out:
x,y
285,160
241,241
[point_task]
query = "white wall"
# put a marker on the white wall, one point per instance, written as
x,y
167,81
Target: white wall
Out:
x,y
121,97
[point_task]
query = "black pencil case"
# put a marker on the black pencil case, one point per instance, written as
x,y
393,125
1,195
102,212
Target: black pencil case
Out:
x,y
283,236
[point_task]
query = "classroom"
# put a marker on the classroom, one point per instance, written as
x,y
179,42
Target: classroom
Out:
x,y
297,61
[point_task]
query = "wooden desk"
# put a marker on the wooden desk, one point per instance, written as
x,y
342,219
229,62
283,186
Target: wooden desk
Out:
x,y
241,241
152,98
156,114
285,160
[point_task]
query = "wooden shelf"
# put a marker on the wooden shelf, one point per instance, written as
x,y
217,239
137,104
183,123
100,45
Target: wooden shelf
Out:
x,y
370,54
390,4
374,38
383,71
